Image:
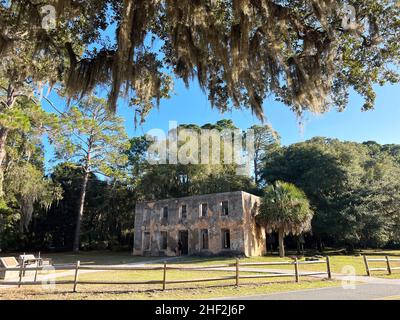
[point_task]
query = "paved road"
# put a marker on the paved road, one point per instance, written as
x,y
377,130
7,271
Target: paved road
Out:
x,y
370,291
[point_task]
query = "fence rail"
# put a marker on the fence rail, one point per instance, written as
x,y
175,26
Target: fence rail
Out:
x,y
237,268
387,260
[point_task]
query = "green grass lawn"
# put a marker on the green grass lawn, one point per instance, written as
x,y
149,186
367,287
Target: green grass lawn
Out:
x,y
213,289
92,257
338,263
97,257
187,291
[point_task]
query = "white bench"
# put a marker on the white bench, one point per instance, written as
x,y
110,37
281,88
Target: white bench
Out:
x,y
27,258
30,262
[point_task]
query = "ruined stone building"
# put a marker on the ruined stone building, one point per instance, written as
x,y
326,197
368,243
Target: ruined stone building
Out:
x,y
222,223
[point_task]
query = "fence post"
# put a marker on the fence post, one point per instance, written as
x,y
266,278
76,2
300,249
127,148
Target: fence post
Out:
x,y
367,266
36,271
328,267
78,263
237,272
165,276
389,268
296,269
21,272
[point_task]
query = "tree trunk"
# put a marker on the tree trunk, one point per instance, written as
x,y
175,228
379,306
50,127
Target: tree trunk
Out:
x,y
281,243
298,245
256,171
11,97
319,245
3,140
80,213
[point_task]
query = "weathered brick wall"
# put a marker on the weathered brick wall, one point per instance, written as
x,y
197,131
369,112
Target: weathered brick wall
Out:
x,y
254,234
148,218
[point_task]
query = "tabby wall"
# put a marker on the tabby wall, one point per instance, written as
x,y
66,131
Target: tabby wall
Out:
x,y
245,237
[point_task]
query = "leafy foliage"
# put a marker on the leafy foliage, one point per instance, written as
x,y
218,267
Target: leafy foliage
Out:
x,y
285,207
95,141
106,224
266,139
178,180
92,138
24,182
353,188
240,51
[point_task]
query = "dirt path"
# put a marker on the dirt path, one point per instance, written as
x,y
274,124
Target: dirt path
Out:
x,y
335,276
53,275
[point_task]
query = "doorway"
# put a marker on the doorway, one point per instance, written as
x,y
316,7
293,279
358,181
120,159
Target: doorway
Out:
x,y
184,238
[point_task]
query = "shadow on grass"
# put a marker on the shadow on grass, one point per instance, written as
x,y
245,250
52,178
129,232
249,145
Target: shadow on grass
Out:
x,y
114,258
176,290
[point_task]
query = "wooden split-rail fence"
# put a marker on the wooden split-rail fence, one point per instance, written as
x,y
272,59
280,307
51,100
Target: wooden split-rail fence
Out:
x,y
387,261
238,268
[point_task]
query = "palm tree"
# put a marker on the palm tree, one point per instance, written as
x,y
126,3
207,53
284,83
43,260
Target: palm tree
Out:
x,y
285,209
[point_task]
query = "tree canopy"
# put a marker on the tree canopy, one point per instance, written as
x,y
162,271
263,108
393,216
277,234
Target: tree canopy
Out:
x,y
162,181
353,187
266,139
94,141
22,183
308,54
285,209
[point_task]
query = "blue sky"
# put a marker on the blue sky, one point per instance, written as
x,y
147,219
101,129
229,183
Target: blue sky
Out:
x,y
192,106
